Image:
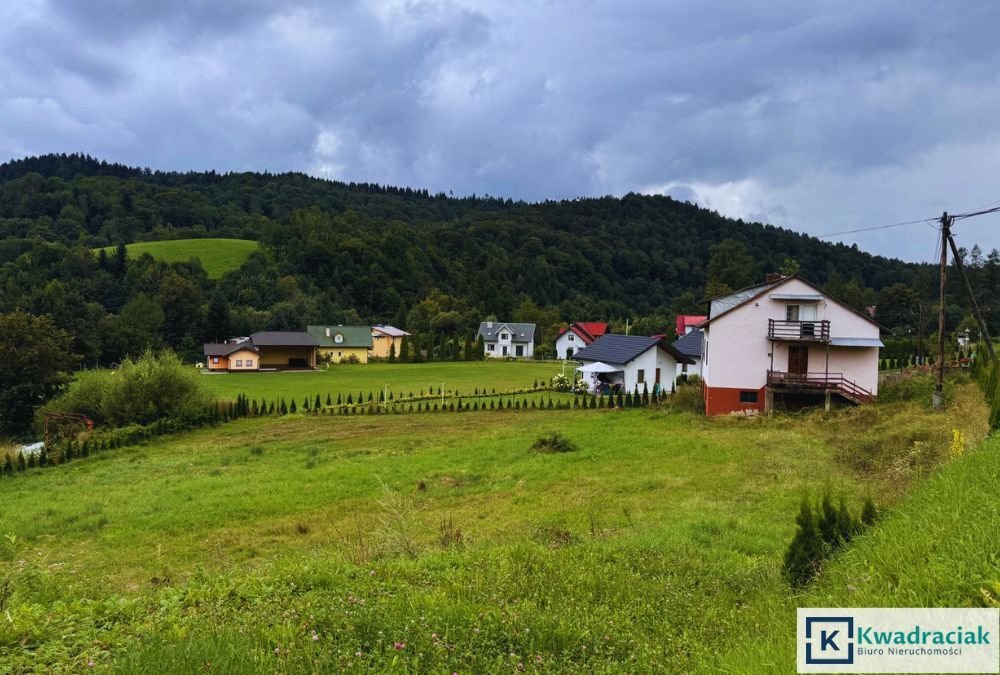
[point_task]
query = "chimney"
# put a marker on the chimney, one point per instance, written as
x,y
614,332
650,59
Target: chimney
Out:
x,y
328,331
773,276
489,324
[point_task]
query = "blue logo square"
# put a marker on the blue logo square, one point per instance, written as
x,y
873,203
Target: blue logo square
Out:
x,y
830,640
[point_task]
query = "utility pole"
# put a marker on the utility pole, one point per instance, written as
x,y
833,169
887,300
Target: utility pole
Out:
x,y
920,332
938,398
972,296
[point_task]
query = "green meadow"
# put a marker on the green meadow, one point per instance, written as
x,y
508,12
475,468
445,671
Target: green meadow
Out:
x,y
401,378
217,256
442,542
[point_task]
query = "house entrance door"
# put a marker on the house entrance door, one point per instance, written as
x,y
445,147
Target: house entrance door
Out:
x,y
798,360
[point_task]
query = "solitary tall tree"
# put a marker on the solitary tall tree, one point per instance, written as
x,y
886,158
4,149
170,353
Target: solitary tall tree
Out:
x,y
35,361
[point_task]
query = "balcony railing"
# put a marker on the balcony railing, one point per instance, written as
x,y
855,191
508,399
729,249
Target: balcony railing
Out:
x,y
820,381
798,331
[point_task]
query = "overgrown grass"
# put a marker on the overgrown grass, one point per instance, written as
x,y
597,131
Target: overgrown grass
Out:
x,y
419,542
217,256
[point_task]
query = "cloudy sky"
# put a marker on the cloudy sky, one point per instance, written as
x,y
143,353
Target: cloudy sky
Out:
x,y
819,116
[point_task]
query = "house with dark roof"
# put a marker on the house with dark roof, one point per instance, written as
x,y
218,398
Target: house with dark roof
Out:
x,y
786,343
690,345
385,339
629,362
506,339
576,336
342,343
264,350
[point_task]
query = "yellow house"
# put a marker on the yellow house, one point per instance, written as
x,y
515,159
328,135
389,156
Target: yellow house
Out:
x,y
384,338
340,343
264,350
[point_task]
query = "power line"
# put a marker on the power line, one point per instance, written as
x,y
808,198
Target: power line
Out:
x,y
961,216
877,227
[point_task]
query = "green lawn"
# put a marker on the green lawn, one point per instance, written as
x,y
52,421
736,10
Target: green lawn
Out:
x,y
429,542
217,256
402,379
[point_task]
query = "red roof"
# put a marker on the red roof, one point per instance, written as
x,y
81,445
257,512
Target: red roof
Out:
x,y
587,330
685,320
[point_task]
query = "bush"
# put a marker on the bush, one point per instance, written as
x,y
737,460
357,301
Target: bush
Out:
x,y
153,387
687,398
554,442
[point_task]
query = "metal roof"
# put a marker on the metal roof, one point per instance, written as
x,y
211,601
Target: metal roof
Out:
x,y
520,332
620,349
350,336
690,344
391,331
283,338
856,342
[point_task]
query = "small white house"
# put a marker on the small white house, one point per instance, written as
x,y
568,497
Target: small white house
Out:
x,y
577,336
630,362
786,343
502,339
690,346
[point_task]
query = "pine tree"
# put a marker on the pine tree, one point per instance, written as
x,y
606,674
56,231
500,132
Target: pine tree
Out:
x,y
317,405
828,523
469,355
350,401
22,465
329,400
645,395
392,351
806,550
292,409
404,349
8,465
847,524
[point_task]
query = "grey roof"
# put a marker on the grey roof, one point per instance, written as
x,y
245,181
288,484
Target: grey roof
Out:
x,y
350,336
520,332
620,349
724,303
855,342
227,348
690,344
391,331
283,338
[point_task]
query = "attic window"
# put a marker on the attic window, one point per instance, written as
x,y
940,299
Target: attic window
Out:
x,y
338,338
570,338
504,336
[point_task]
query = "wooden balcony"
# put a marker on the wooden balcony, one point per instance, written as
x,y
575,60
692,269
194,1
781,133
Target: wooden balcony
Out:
x,y
819,382
798,331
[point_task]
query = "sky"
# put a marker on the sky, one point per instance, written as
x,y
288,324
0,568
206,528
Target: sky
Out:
x,y
818,116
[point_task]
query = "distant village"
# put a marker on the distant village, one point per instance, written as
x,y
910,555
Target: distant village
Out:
x,y
780,344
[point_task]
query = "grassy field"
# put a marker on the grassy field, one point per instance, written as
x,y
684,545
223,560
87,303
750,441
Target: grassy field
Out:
x,y
217,256
439,542
402,379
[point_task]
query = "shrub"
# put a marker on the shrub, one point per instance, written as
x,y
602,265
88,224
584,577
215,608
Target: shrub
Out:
x,y
155,386
554,442
806,550
687,398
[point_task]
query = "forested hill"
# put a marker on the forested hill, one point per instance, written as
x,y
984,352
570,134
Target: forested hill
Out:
x,y
344,251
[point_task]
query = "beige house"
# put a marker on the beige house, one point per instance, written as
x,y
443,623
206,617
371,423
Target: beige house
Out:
x,y
384,338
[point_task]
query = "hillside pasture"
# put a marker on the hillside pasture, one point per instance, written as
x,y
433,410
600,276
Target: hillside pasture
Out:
x,y
428,542
217,256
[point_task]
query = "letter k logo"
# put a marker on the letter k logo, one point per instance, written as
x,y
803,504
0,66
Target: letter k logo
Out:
x,y
826,640
829,640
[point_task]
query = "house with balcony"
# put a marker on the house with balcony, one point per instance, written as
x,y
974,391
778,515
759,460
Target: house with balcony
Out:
x,y
785,344
504,339
576,336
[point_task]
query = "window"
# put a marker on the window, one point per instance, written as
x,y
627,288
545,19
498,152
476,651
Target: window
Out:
x,y
490,347
215,360
239,363
570,337
792,313
338,338
249,363
684,368
504,336
748,397
657,376
642,376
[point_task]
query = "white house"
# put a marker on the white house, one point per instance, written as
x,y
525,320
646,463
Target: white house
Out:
x,y
629,361
690,345
577,336
785,343
503,340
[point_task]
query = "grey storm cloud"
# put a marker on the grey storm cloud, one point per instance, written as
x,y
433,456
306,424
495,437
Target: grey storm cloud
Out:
x,y
820,116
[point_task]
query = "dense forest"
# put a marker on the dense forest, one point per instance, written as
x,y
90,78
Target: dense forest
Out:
x,y
434,264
